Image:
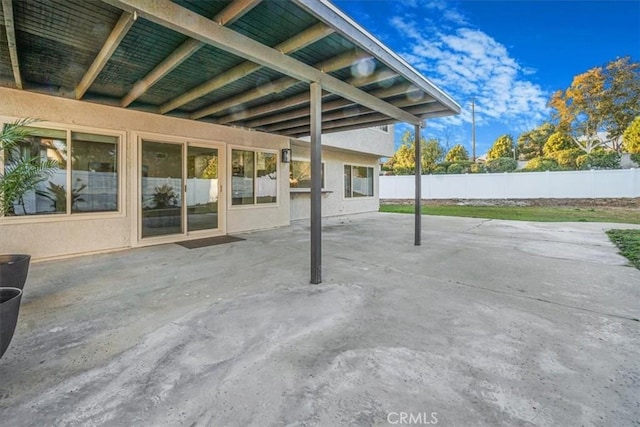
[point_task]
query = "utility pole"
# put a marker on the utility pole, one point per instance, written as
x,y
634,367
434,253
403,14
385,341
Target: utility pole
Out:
x,y
473,128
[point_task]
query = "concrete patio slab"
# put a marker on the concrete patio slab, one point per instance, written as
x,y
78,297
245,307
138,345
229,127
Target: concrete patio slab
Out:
x,y
488,323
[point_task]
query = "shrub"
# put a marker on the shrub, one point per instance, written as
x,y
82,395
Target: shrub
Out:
x,y
567,158
631,137
478,168
501,164
439,170
635,157
599,160
456,168
541,164
557,142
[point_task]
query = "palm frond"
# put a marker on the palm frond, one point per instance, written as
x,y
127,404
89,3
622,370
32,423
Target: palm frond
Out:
x,y
14,133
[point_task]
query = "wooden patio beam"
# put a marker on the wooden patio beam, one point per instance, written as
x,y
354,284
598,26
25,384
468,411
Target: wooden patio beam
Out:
x,y
366,118
301,40
390,92
342,113
227,16
332,64
117,34
7,11
182,20
297,100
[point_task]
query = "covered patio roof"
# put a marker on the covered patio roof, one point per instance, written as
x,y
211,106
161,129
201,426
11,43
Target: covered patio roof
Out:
x,y
245,63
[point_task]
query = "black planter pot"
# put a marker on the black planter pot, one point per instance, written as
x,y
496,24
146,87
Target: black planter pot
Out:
x,y
13,270
9,308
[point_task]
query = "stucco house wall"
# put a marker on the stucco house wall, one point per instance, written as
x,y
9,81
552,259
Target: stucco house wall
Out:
x,y
61,235
49,236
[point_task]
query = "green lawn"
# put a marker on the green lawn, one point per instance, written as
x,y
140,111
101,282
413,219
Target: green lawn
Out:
x,y
628,241
527,213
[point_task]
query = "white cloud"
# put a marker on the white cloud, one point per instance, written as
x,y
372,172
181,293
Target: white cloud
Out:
x,y
468,63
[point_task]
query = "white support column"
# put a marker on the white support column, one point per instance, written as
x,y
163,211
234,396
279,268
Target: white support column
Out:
x,y
418,201
316,183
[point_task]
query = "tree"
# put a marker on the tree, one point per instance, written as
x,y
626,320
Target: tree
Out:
x,y
621,99
457,153
631,137
502,147
531,143
558,141
578,109
599,100
404,159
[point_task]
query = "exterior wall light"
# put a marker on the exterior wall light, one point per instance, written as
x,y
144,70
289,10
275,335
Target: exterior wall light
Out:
x,y
286,155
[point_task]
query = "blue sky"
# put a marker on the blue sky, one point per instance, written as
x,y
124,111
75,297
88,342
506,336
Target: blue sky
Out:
x,y
508,55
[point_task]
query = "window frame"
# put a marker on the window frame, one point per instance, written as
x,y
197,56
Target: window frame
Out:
x,y
255,204
306,189
68,215
373,182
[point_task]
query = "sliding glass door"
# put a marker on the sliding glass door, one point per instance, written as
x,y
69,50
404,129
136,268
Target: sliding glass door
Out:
x,y
179,189
202,188
161,188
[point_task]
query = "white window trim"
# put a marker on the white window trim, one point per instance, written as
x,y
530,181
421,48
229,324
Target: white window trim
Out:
x,y
255,205
136,156
79,216
372,177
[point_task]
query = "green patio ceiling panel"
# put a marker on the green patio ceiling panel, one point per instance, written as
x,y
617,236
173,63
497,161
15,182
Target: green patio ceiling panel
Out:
x,y
193,69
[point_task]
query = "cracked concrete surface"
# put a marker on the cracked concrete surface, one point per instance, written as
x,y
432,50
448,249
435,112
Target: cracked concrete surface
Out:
x,y
488,323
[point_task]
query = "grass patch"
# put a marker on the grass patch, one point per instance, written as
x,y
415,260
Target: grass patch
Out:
x,y
526,213
628,241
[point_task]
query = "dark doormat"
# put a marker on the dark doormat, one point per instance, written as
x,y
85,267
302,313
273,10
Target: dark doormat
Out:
x,y
208,241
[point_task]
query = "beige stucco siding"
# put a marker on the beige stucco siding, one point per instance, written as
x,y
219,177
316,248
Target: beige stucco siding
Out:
x,y
48,236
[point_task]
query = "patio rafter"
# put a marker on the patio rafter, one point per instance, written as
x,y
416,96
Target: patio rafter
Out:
x,y
301,40
227,16
111,44
332,64
390,92
180,19
7,11
298,100
372,116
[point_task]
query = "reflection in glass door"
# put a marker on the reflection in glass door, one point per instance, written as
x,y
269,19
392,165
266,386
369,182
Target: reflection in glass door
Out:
x,y
202,188
161,188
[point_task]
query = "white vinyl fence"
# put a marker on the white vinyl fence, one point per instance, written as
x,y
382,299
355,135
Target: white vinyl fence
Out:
x,y
519,185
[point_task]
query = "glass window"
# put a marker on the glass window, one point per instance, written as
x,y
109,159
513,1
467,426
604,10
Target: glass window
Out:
x,y
85,179
242,177
358,181
94,173
300,174
347,181
254,177
266,177
44,194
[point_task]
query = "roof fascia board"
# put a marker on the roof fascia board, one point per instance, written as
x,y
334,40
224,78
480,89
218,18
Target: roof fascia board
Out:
x,y
184,21
331,15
